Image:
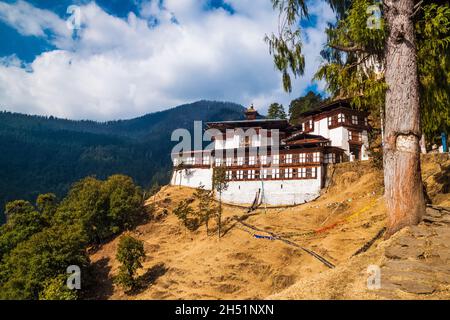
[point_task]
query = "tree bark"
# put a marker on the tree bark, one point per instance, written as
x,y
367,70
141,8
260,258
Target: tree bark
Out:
x,y
423,145
402,173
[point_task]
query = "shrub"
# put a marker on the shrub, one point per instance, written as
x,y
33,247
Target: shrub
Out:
x,y
131,254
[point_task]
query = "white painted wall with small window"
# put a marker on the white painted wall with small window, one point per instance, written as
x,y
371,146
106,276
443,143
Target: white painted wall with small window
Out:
x,y
274,192
192,178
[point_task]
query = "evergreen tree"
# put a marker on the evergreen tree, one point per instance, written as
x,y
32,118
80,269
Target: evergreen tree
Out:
x,y
205,206
220,185
276,111
357,53
183,211
303,104
131,254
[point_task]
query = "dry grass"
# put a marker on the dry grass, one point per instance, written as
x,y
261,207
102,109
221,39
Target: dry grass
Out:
x,y
191,265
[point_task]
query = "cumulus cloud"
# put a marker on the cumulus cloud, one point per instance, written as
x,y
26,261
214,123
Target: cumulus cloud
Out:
x,y
31,21
171,52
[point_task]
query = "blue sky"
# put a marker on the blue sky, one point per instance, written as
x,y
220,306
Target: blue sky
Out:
x,y
130,58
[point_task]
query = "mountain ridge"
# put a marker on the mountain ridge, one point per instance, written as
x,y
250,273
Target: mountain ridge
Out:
x,y
47,154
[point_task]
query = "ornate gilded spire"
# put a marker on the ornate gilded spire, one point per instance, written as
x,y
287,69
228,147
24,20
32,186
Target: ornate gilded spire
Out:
x,y
251,113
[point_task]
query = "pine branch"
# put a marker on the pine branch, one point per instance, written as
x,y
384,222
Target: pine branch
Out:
x,y
354,48
417,8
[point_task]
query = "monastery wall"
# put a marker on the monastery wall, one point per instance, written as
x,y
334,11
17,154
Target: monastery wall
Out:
x,y
276,192
234,142
339,137
192,178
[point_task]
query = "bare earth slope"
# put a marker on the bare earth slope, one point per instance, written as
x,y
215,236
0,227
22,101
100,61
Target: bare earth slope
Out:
x,y
252,262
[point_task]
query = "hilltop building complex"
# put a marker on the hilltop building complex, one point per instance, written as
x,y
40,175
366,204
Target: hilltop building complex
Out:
x,y
273,162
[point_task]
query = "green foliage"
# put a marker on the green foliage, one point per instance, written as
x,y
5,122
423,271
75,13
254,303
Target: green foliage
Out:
x,y
25,270
46,154
131,254
433,34
37,245
56,289
220,185
276,111
286,45
47,205
125,203
219,180
356,76
154,189
185,214
303,104
103,207
22,222
354,57
206,207
86,204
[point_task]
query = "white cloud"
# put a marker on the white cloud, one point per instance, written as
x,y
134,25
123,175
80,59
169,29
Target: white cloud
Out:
x,y
121,68
31,21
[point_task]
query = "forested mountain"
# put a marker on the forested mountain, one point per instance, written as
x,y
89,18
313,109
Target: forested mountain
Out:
x,y
46,154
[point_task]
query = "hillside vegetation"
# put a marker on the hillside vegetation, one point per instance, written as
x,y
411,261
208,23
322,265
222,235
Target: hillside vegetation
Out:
x,y
251,262
46,154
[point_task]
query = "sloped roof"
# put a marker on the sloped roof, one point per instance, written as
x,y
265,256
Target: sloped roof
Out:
x,y
299,135
263,123
327,106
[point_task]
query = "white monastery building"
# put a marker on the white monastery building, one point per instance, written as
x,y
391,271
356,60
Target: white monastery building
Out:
x,y
273,162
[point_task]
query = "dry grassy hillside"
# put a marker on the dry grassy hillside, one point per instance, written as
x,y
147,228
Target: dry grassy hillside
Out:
x,y
191,265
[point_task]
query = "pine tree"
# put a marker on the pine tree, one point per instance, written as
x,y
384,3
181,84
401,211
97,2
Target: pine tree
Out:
x,y
303,104
220,185
356,53
205,206
183,211
276,111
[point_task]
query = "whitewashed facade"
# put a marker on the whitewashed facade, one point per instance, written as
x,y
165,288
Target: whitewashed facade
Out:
x,y
271,162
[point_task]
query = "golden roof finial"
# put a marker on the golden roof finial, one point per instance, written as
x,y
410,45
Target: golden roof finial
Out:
x,y
251,113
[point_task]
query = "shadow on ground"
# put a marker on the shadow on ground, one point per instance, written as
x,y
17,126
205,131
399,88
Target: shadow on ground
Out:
x,y
148,278
101,285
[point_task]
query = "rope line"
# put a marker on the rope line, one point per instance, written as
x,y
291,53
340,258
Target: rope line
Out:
x,y
367,246
274,236
347,219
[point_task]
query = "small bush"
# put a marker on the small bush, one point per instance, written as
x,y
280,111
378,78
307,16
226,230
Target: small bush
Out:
x,y
131,254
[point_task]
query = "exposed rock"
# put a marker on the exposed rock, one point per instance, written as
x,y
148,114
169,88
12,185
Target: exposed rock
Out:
x,y
403,252
416,287
418,260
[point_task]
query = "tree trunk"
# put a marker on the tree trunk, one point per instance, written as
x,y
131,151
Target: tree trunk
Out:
x,y
402,173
